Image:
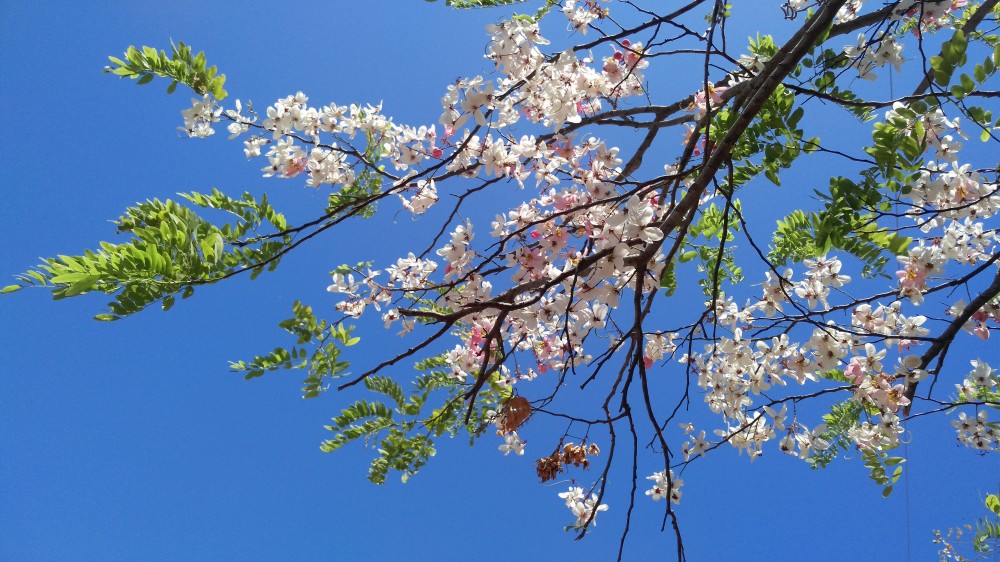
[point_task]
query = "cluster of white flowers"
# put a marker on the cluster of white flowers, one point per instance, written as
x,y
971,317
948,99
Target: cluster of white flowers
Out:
x,y
665,486
553,90
581,14
583,508
423,198
355,304
933,15
199,117
880,436
938,130
848,11
978,323
868,56
954,193
978,432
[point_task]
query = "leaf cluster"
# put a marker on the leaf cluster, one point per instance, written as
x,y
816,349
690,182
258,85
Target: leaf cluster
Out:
x,y
843,416
367,184
878,464
988,530
171,250
181,66
321,362
715,228
398,423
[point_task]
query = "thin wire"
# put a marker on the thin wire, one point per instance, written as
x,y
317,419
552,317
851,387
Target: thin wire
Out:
x,y
906,452
906,495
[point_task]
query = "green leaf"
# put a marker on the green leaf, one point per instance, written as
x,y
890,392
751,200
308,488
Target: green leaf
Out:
x,y
10,289
967,83
82,286
942,77
993,503
180,67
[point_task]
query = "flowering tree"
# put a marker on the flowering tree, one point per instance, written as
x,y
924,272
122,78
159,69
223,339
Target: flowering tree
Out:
x,y
607,293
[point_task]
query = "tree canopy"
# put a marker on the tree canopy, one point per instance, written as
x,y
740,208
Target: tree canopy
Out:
x,y
636,239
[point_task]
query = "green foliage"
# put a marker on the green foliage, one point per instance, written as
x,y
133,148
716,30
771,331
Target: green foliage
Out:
x,y
367,184
714,227
842,417
826,69
953,55
763,46
668,279
725,10
879,464
848,220
985,537
984,119
172,249
398,421
808,235
401,453
771,143
180,66
988,530
322,363
981,73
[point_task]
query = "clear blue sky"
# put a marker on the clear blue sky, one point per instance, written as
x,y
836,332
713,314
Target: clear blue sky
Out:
x,y
131,441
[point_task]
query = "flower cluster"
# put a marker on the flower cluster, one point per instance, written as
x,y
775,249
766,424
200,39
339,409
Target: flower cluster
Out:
x,y
665,485
932,15
199,117
707,100
581,14
978,432
979,322
583,508
868,56
849,11
982,384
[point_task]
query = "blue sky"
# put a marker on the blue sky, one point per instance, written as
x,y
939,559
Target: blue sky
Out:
x,y
131,440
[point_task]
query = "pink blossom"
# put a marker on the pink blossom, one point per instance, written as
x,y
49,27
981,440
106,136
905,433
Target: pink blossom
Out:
x,y
854,371
911,277
982,332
